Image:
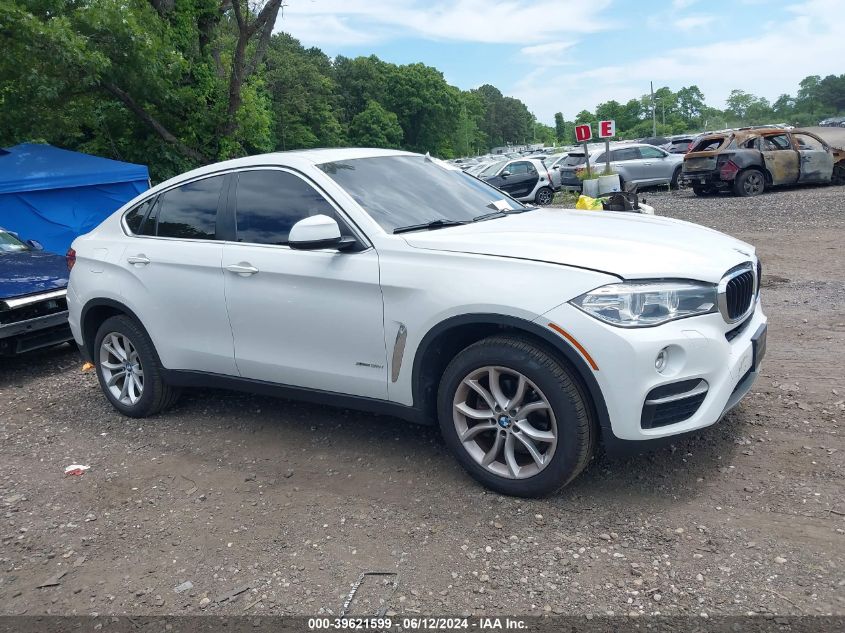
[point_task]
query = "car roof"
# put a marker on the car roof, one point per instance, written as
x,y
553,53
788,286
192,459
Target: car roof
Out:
x,y
299,158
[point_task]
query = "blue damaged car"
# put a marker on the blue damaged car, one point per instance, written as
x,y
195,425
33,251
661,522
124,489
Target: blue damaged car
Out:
x,y
33,288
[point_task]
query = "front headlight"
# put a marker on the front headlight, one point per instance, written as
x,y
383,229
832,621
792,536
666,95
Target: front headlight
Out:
x,y
648,303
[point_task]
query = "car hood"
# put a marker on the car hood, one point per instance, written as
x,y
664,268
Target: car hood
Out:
x,y
628,245
29,272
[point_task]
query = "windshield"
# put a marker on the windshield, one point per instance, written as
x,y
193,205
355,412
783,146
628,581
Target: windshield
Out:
x,y
400,191
10,244
492,169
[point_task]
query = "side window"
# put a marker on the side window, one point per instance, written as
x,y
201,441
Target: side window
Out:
x,y
808,143
519,168
651,152
600,158
626,153
190,211
269,202
776,142
135,217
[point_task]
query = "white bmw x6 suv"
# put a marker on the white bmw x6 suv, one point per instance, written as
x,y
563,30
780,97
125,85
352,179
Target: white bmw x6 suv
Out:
x,y
390,281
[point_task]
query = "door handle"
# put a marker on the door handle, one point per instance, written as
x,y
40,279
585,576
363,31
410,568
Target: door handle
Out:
x,y
244,269
140,260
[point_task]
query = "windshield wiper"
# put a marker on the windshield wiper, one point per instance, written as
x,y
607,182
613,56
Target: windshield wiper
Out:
x,y
490,216
428,226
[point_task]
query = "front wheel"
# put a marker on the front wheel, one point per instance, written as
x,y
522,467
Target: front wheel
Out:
x,y
128,369
544,196
516,418
750,183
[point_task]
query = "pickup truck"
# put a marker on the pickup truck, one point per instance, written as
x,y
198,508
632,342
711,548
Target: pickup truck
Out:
x,y
33,289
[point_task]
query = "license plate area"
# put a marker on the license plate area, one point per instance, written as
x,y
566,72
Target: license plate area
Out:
x,y
758,343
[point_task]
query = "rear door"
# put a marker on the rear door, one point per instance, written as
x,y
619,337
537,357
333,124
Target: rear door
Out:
x,y
521,180
780,158
816,160
175,284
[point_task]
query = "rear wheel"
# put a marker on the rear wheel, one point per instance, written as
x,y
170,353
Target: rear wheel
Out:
x,y
128,369
749,183
839,173
676,177
544,196
516,418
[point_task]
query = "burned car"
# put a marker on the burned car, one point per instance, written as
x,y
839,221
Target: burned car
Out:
x,y
750,160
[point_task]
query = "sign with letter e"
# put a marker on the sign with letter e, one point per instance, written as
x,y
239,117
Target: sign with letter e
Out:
x,y
583,133
607,129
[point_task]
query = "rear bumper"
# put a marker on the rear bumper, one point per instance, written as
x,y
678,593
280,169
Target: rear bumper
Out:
x,y
704,179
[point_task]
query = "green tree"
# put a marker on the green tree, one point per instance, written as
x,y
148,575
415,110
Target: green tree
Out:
x,y
560,127
375,127
303,95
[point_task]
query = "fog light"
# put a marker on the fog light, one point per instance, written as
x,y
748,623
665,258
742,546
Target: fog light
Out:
x,y
662,360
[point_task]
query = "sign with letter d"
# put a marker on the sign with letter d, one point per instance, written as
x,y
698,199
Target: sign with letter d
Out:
x,y
583,133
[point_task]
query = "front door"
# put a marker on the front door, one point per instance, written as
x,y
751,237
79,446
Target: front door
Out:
x,y
309,319
171,278
816,159
780,159
521,180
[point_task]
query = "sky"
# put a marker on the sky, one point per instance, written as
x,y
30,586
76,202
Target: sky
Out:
x,y
569,55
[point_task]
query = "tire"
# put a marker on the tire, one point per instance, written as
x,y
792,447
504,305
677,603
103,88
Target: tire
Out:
x,y
703,191
676,177
119,339
544,196
838,173
749,183
560,427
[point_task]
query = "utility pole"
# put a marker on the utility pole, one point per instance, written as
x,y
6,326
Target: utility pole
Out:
x,y
653,111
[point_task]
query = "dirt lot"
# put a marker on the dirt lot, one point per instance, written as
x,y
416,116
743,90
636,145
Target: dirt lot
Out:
x,y
294,501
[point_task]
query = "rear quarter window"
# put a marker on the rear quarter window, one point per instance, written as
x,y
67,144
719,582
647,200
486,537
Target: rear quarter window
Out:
x,y
135,217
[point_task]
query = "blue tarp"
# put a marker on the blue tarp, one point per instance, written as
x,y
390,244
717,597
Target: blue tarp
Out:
x,y
53,195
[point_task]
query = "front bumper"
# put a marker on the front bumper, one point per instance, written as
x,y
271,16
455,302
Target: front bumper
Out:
x,y
32,334
698,351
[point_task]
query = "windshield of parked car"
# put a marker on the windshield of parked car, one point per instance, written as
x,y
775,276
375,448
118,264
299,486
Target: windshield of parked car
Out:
x,y
709,144
493,169
10,244
400,191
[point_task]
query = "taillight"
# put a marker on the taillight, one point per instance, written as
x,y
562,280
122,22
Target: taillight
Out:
x,y
728,170
70,256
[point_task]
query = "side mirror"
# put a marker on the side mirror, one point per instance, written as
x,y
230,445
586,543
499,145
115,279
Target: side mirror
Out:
x,y
35,245
505,174
556,167
316,232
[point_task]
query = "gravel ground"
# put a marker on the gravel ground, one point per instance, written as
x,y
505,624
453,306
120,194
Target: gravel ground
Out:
x,y
269,506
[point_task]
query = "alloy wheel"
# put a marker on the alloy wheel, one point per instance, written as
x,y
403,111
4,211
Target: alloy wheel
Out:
x,y
544,197
505,422
753,183
121,368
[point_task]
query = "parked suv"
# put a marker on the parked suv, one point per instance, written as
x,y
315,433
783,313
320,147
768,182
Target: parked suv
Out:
x,y
748,161
33,310
392,282
635,163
